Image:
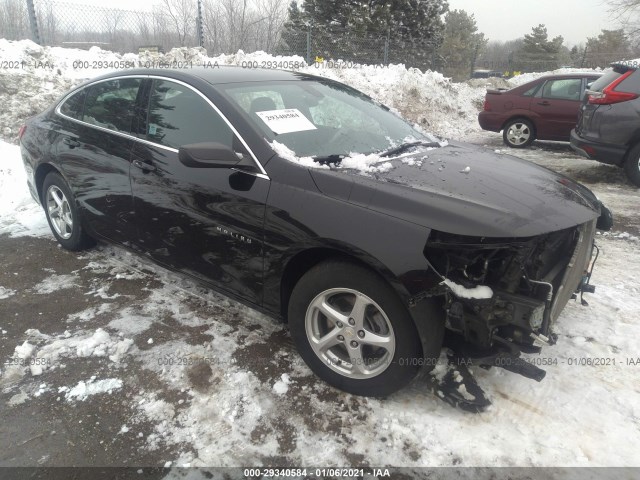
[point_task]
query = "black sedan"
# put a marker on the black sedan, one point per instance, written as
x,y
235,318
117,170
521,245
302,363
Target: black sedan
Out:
x,y
307,200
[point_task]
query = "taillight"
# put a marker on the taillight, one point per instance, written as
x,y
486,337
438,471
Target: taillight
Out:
x,y
487,106
610,95
23,128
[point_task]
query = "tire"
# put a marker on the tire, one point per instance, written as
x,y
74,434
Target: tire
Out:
x,y
518,133
632,165
381,370
63,214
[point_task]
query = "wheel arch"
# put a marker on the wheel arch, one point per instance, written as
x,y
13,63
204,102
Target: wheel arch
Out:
x,y
520,116
306,259
40,174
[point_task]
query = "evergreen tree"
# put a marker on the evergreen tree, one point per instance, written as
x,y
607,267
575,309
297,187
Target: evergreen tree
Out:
x,y
609,46
462,44
293,37
538,53
339,28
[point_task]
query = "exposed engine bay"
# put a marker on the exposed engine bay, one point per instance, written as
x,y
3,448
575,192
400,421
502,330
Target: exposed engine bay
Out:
x,y
502,297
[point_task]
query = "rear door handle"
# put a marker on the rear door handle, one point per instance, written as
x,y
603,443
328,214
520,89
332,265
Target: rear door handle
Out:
x,y
71,142
147,167
544,104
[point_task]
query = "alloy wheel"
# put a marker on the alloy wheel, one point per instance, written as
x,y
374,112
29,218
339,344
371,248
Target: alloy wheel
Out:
x,y
59,212
518,134
350,333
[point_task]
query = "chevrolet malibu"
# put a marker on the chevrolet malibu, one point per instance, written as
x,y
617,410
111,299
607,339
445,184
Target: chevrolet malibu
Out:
x,y
316,205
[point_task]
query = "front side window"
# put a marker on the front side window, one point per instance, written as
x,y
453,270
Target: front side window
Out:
x,y
74,105
111,104
565,89
179,116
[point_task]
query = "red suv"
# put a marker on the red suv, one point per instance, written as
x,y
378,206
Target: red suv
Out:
x,y
544,109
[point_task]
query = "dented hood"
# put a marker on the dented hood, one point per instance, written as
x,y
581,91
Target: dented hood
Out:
x,y
467,190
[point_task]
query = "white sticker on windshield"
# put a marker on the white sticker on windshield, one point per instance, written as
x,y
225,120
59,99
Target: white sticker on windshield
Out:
x,y
286,121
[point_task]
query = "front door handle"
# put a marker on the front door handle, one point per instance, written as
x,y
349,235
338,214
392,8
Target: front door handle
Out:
x,y
544,104
71,142
145,167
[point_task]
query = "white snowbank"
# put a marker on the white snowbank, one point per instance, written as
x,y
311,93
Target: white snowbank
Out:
x,y
426,98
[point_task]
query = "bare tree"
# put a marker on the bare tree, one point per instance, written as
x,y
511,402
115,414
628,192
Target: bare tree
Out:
x,y
112,20
181,14
232,25
14,22
627,12
274,13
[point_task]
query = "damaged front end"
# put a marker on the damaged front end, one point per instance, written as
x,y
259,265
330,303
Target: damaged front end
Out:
x,y
502,296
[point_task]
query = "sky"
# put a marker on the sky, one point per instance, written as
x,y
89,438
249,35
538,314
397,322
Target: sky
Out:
x,y
575,20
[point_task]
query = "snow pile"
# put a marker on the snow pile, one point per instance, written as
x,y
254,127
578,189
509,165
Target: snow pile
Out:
x,y
18,212
91,387
54,283
282,386
6,293
426,98
51,351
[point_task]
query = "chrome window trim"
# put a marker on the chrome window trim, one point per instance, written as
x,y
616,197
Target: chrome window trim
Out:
x,y
262,174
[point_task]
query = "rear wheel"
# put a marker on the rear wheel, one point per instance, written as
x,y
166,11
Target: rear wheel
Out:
x,y
353,331
62,214
518,133
632,165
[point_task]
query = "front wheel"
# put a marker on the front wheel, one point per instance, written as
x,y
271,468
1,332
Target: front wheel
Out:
x,y
632,165
518,133
62,214
353,331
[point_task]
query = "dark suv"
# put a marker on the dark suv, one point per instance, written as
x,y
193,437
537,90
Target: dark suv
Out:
x,y
608,128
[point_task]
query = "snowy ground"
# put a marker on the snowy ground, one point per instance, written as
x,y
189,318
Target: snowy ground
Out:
x,y
133,365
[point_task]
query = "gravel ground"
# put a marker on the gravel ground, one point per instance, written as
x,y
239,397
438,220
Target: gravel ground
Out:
x,y
142,367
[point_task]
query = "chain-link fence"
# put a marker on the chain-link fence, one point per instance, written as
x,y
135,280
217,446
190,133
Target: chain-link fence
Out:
x,y
61,23
64,23
342,44
176,23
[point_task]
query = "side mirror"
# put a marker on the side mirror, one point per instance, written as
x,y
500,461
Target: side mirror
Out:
x,y
207,155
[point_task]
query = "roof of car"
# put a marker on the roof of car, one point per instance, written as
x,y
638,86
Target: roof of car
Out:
x,y
218,74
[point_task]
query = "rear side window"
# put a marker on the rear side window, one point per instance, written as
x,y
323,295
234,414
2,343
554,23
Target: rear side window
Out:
x,y
111,104
565,89
604,80
179,116
532,91
74,105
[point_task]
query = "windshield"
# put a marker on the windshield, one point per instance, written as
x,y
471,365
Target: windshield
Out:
x,y
321,119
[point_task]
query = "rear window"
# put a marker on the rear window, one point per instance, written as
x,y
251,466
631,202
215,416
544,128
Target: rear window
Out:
x,y
604,80
532,91
74,105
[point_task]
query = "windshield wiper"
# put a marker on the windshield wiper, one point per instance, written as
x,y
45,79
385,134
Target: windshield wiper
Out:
x,y
406,146
328,159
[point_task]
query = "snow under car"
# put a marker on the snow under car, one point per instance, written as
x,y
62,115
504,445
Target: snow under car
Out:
x,y
307,200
